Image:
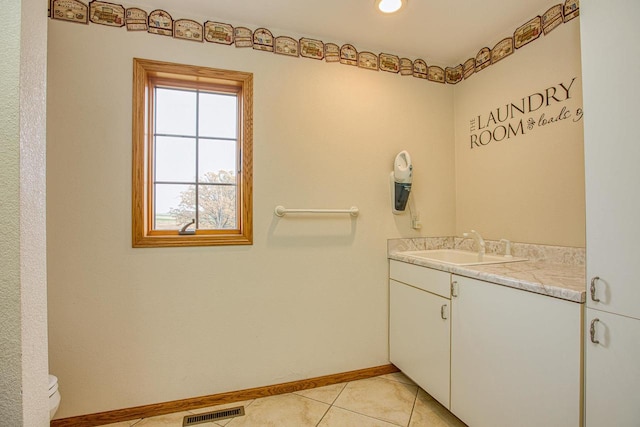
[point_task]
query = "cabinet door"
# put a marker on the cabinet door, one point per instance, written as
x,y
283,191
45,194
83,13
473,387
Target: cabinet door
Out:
x,y
419,338
611,152
612,375
515,357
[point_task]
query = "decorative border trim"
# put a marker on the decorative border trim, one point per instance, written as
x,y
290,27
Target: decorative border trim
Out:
x,y
243,37
389,63
528,32
286,46
310,48
217,32
101,12
186,29
406,67
571,9
331,52
368,61
469,67
453,74
161,22
348,55
136,19
552,18
263,40
156,409
435,74
501,50
483,59
420,69
70,11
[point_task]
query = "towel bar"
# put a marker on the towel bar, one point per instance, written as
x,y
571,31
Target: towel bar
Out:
x,y
282,211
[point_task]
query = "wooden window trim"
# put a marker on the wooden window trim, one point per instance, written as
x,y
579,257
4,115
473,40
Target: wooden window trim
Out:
x,y
144,72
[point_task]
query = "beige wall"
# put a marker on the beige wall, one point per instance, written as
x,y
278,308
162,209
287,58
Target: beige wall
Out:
x,y
138,326
23,288
527,188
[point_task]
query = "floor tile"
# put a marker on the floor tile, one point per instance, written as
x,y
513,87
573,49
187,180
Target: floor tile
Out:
x,y
386,401
337,417
429,412
398,376
285,410
326,394
379,398
122,423
170,420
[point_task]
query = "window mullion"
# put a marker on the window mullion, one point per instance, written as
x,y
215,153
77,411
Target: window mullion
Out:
x,y
153,153
197,180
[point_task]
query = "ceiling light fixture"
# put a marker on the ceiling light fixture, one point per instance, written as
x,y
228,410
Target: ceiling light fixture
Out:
x,y
389,6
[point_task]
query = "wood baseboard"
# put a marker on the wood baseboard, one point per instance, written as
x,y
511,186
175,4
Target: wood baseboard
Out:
x,y
153,410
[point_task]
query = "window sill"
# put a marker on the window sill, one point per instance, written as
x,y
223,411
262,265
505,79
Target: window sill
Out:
x,y
167,241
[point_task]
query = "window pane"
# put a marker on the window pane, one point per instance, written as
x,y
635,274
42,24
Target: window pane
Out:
x,y
216,155
175,159
218,115
217,207
175,112
175,205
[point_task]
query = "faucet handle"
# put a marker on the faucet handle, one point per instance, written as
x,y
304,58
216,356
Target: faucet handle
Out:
x,y
507,248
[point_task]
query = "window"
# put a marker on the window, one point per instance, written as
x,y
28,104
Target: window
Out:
x,y
192,155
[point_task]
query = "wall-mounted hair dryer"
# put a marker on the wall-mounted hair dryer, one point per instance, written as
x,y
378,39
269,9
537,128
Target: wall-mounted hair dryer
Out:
x,y
401,178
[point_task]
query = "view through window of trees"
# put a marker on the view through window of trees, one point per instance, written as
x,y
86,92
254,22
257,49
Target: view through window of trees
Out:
x,y
195,165
216,204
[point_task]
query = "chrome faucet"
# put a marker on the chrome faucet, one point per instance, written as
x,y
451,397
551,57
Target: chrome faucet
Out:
x,y
479,240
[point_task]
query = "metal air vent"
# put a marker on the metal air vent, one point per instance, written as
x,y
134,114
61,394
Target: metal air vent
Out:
x,y
191,420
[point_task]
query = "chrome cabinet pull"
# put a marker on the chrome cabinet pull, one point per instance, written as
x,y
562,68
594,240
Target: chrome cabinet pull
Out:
x,y
443,311
593,289
454,289
593,331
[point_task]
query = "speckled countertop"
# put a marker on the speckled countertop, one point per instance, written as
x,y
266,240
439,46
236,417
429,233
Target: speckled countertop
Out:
x,y
560,277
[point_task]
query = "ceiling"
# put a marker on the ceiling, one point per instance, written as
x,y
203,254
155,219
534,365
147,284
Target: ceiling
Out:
x,y
441,32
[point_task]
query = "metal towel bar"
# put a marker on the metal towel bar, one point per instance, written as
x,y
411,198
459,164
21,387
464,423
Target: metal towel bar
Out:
x,y
282,211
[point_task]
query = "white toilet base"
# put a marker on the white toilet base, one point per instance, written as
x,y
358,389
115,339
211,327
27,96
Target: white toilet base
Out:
x,y
54,396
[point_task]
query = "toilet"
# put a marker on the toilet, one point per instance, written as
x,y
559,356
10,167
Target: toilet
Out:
x,y
54,396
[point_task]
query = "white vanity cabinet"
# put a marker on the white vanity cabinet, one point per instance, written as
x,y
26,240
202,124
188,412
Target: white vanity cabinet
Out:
x,y
515,356
419,326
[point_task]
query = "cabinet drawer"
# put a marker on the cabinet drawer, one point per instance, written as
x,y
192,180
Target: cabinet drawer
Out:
x,y
428,279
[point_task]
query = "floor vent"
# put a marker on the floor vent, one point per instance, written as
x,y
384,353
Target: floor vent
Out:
x,y
191,420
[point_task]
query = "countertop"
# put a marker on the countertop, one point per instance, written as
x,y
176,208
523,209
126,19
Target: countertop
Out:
x,y
555,280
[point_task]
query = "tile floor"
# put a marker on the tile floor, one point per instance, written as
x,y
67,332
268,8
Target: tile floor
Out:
x,y
386,401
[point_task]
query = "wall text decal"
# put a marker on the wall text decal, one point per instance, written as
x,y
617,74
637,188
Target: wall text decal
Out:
x,y
524,115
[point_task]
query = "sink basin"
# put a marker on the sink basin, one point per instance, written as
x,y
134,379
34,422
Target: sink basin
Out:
x,y
460,257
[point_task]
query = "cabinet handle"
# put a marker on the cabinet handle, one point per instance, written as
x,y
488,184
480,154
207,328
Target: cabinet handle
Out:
x,y
443,311
593,331
593,289
454,289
